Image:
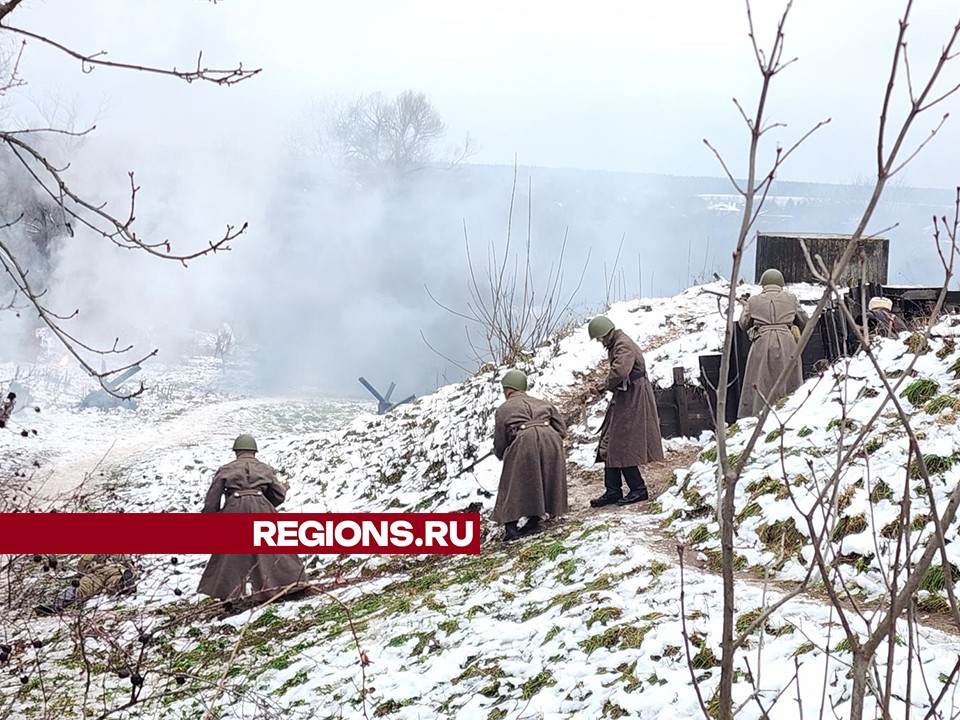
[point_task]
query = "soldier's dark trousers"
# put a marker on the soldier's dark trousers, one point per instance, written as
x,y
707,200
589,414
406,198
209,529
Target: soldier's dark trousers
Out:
x,y
613,478
613,483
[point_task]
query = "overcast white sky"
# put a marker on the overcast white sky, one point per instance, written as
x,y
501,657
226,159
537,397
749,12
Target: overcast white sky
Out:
x,y
630,86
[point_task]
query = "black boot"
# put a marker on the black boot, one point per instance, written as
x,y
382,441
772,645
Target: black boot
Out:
x,y
606,499
638,489
64,598
532,526
510,531
614,489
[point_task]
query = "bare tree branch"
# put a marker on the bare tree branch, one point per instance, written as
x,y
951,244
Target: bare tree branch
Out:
x,y
88,62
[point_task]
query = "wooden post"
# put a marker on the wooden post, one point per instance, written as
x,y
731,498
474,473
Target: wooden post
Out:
x,y
680,397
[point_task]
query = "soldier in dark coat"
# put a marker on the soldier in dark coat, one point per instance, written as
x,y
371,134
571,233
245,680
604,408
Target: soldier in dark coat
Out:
x,y
528,437
769,319
630,434
247,485
881,320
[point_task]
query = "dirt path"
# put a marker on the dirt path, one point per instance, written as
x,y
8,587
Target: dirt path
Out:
x,y
583,484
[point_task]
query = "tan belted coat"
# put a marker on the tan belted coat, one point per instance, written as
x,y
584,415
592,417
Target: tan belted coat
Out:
x,y
767,319
528,436
247,485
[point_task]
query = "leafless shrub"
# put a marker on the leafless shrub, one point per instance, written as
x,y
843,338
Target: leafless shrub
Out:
x,y
379,138
223,345
615,282
507,318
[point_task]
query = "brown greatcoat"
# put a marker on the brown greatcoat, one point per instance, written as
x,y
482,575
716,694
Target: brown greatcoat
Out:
x,y
226,576
630,434
766,319
528,436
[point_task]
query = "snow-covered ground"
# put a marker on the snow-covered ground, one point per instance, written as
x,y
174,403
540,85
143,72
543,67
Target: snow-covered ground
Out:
x,y
189,407
582,621
798,454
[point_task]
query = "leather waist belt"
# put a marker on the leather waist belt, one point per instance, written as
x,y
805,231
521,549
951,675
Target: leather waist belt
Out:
x,y
245,493
637,375
773,327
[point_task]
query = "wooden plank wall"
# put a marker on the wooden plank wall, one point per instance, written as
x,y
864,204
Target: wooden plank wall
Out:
x,y
784,252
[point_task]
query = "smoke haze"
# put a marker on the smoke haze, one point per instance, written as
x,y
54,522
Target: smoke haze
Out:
x,y
330,280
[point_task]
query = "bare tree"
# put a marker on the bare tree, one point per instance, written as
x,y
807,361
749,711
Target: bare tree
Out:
x,y
78,212
380,137
507,317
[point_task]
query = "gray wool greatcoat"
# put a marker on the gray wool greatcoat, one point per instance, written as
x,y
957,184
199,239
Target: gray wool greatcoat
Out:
x,y
630,434
528,437
226,576
766,319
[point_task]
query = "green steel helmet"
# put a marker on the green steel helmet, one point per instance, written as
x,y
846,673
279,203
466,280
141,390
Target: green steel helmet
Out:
x,y
515,379
772,277
245,442
599,327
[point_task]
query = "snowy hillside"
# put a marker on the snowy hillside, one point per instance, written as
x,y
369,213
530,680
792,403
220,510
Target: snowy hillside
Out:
x,y
582,621
799,452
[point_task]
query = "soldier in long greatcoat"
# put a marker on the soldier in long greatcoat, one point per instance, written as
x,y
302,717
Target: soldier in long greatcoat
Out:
x,y
630,434
528,438
768,319
247,485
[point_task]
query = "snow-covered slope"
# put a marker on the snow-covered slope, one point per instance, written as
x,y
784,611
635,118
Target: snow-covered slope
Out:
x,y
584,620
801,446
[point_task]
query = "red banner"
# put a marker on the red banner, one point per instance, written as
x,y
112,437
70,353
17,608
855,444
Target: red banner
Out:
x,y
239,533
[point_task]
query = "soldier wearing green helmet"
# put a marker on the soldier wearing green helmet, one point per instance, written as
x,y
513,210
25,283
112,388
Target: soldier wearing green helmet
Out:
x,y
528,437
599,327
245,442
514,380
773,321
247,485
630,434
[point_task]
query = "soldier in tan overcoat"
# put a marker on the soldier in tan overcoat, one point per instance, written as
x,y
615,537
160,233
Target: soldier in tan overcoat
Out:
x,y
95,574
247,485
768,319
528,437
630,434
